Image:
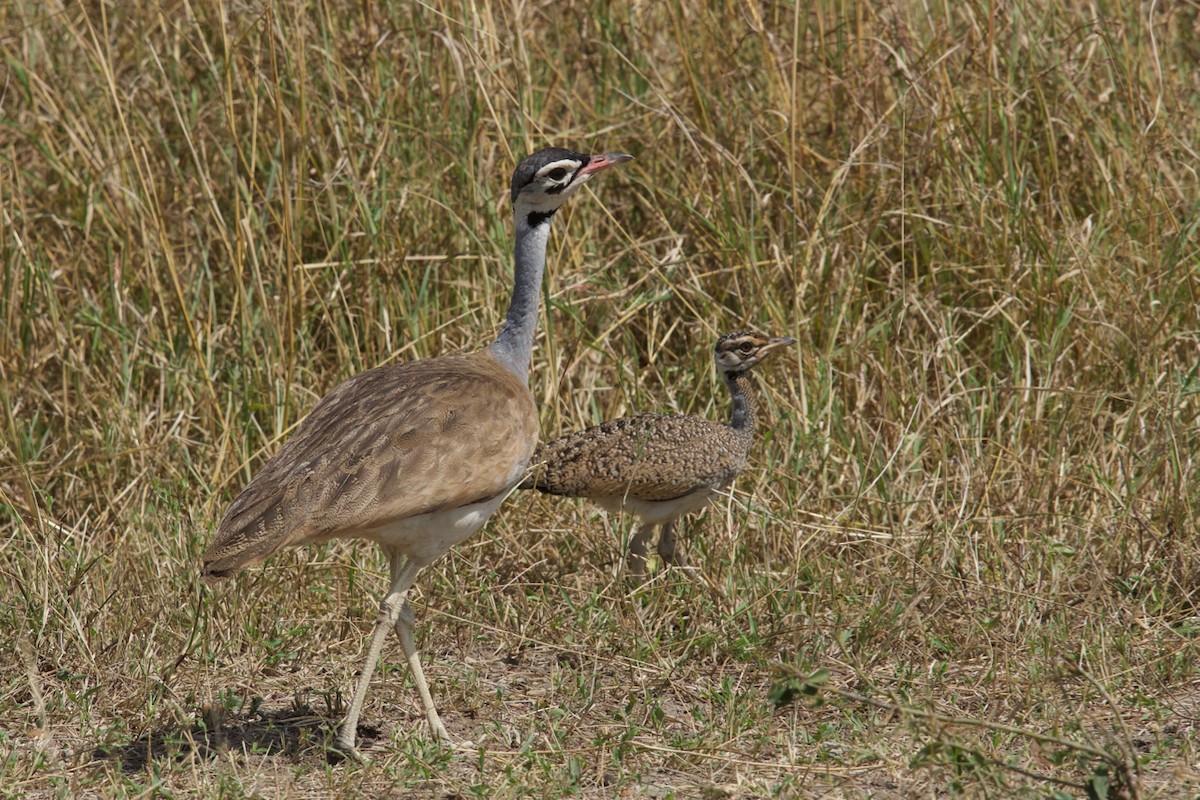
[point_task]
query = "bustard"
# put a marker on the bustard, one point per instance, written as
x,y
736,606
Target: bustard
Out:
x,y
414,456
660,466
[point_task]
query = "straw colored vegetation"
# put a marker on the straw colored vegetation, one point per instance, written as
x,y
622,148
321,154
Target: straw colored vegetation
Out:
x,y
964,558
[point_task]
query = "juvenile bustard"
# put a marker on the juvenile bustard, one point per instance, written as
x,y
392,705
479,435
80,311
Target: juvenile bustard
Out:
x,y
414,456
660,466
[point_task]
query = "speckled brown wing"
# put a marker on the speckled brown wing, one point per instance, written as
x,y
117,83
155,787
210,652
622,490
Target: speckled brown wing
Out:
x,y
390,443
644,457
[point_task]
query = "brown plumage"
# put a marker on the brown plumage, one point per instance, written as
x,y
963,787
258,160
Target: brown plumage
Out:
x,y
414,456
660,466
462,418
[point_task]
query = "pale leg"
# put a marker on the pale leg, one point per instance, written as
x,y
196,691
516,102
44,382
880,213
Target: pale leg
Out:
x,y
666,544
404,572
637,550
404,629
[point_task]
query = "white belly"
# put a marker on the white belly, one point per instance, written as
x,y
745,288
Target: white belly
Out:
x,y
427,537
656,512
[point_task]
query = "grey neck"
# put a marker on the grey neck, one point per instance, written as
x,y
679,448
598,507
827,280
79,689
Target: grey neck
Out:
x,y
513,347
742,419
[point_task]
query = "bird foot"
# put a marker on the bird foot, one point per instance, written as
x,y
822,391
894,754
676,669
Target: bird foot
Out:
x,y
673,558
464,746
342,750
440,735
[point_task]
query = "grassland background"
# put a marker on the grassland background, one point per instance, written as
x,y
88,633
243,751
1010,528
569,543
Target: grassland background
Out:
x,y
974,503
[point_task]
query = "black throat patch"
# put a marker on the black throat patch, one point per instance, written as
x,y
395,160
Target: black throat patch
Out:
x,y
536,218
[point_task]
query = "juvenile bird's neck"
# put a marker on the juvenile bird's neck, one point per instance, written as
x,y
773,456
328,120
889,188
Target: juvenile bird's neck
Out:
x,y
513,347
742,419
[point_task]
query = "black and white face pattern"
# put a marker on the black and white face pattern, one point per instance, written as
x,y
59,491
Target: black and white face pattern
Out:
x,y
741,350
544,180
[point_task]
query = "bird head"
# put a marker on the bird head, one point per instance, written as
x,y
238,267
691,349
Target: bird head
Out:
x,y
544,180
739,351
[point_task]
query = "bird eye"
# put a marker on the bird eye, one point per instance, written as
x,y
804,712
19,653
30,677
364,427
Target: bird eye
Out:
x,y
746,347
556,174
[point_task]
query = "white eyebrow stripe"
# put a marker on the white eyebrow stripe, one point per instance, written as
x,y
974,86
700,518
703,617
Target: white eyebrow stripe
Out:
x,y
569,164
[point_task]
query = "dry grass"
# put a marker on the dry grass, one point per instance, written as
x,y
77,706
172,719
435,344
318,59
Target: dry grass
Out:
x,y
969,532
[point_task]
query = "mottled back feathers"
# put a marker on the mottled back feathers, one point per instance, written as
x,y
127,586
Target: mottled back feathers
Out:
x,y
643,457
649,459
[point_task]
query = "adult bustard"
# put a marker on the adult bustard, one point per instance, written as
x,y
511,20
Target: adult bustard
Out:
x,y
414,456
660,466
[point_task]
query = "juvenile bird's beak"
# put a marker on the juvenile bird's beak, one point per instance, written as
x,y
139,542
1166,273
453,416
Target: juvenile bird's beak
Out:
x,y
775,343
601,162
